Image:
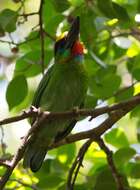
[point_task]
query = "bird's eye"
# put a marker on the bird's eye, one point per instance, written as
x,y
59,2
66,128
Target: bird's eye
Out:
x,y
59,45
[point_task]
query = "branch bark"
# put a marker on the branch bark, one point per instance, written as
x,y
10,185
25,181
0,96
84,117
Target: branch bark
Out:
x,y
121,109
75,113
74,170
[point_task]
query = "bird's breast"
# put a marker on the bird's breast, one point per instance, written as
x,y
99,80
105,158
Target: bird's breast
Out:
x,y
65,89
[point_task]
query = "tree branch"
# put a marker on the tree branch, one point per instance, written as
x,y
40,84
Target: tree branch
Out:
x,y
74,170
26,114
20,43
75,113
114,116
28,14
97,131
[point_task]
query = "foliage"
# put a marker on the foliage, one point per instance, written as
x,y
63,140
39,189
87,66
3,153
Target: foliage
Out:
x,y
111,35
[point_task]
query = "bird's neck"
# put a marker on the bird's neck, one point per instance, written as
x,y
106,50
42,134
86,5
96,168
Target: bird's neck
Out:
x,y
67,57
78,58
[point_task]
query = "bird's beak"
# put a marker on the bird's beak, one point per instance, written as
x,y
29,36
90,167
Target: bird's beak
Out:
x,y
73,33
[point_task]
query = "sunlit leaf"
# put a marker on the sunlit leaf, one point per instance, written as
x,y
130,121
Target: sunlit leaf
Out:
x,y
117,138
66,153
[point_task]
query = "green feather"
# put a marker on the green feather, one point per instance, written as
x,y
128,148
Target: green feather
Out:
x,y
62,88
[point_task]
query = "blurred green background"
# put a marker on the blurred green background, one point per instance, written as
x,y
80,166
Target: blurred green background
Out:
x,y
110,31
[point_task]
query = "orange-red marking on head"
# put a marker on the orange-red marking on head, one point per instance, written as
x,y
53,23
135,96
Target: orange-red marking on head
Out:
x,y
78,48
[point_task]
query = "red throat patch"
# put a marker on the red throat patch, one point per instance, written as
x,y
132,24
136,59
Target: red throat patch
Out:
x,y
78,48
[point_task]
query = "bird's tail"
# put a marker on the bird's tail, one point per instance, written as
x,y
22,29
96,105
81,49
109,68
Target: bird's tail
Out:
x,y
34,157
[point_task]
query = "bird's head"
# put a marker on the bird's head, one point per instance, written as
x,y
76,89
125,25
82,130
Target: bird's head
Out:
x,y
68,45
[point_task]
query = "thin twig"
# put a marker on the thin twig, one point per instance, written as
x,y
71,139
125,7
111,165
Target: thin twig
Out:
x,y
3,145
50,36
133,32
117,177
42,35
74,170
26,114
5,164
28,14
122,90
20,43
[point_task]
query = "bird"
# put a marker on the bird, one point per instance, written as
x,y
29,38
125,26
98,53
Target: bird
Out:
x,y
62,88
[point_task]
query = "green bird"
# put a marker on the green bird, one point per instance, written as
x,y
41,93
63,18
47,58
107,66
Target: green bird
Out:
x,y
63,87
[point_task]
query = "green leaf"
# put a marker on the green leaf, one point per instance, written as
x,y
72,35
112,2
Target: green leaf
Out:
x,y
121,12
133,66
58,166
123,155
76,186
138,6
61,6
90,101
91,67
46,177
115,10
117,138
105,180
81,186
53,23
136,73
2,33
66,153
135,171
31,44
76,2
135,112
50,181
138,130
2,170
105,86
50,13
8,20
16,91
30,64
46,168
87,27
124,94
106,8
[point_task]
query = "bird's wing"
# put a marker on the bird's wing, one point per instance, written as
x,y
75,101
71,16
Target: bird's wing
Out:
x,y
42,86
67,131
